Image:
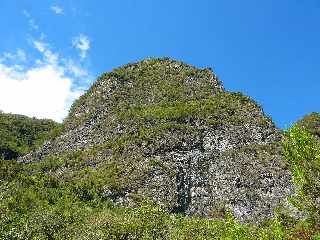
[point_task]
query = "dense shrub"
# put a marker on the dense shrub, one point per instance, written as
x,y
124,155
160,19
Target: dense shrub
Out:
x,y
302,151
311,123
20,134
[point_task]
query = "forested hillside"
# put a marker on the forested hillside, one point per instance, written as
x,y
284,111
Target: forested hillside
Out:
x,y
20,134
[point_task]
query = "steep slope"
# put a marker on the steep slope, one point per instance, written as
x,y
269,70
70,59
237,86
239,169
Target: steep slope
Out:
x,y
165,130
20,134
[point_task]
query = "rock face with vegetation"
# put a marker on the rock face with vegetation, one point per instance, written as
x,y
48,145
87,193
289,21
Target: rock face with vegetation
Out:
x,y
167,131
20,134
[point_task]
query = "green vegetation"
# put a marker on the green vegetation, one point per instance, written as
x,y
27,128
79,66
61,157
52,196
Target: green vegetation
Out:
x,y
311,123
20,134
209,109
150,82
153,105
157,123
36,204
303,153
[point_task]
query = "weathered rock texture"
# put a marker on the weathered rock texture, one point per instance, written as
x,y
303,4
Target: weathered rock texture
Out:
x,y
165,130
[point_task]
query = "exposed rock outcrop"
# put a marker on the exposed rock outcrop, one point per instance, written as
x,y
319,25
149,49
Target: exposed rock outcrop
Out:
x,y
174,135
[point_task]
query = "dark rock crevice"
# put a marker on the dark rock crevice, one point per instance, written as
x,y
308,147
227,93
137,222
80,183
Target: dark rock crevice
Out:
x,y
183,187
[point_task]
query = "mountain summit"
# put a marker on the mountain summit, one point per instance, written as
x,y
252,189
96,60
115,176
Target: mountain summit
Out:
x,y
167,131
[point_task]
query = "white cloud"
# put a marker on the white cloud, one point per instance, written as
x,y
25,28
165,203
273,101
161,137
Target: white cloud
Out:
x,y
42,92
82,43
57,9
45,90
20,55
42,87
31,21
49,56
75,69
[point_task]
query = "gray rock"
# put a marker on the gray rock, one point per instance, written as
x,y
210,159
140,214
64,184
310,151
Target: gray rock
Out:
x,y
198,161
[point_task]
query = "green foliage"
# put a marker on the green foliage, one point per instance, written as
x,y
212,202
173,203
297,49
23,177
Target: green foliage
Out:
x,y
42,206
149,82
217,108
302,151
20,134
311,123
36,206
37,201
72,195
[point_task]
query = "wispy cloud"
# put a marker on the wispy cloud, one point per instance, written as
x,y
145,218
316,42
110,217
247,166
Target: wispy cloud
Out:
x,y
31,21
45,90
75,69
82,43
48,55
57,9
19,56
43,86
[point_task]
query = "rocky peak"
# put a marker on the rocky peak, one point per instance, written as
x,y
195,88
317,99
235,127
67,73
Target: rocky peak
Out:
x,y
175,136
96,117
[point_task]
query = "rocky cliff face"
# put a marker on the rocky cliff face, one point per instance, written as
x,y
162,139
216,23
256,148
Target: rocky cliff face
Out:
x,y
167,131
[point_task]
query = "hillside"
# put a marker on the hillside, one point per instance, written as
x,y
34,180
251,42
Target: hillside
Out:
x,y
158,149
175,136
20,134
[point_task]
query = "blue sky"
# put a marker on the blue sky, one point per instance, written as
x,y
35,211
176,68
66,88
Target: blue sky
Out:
x,y
268,50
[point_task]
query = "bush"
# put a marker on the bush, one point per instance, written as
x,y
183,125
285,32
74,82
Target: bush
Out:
x,y
302,152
